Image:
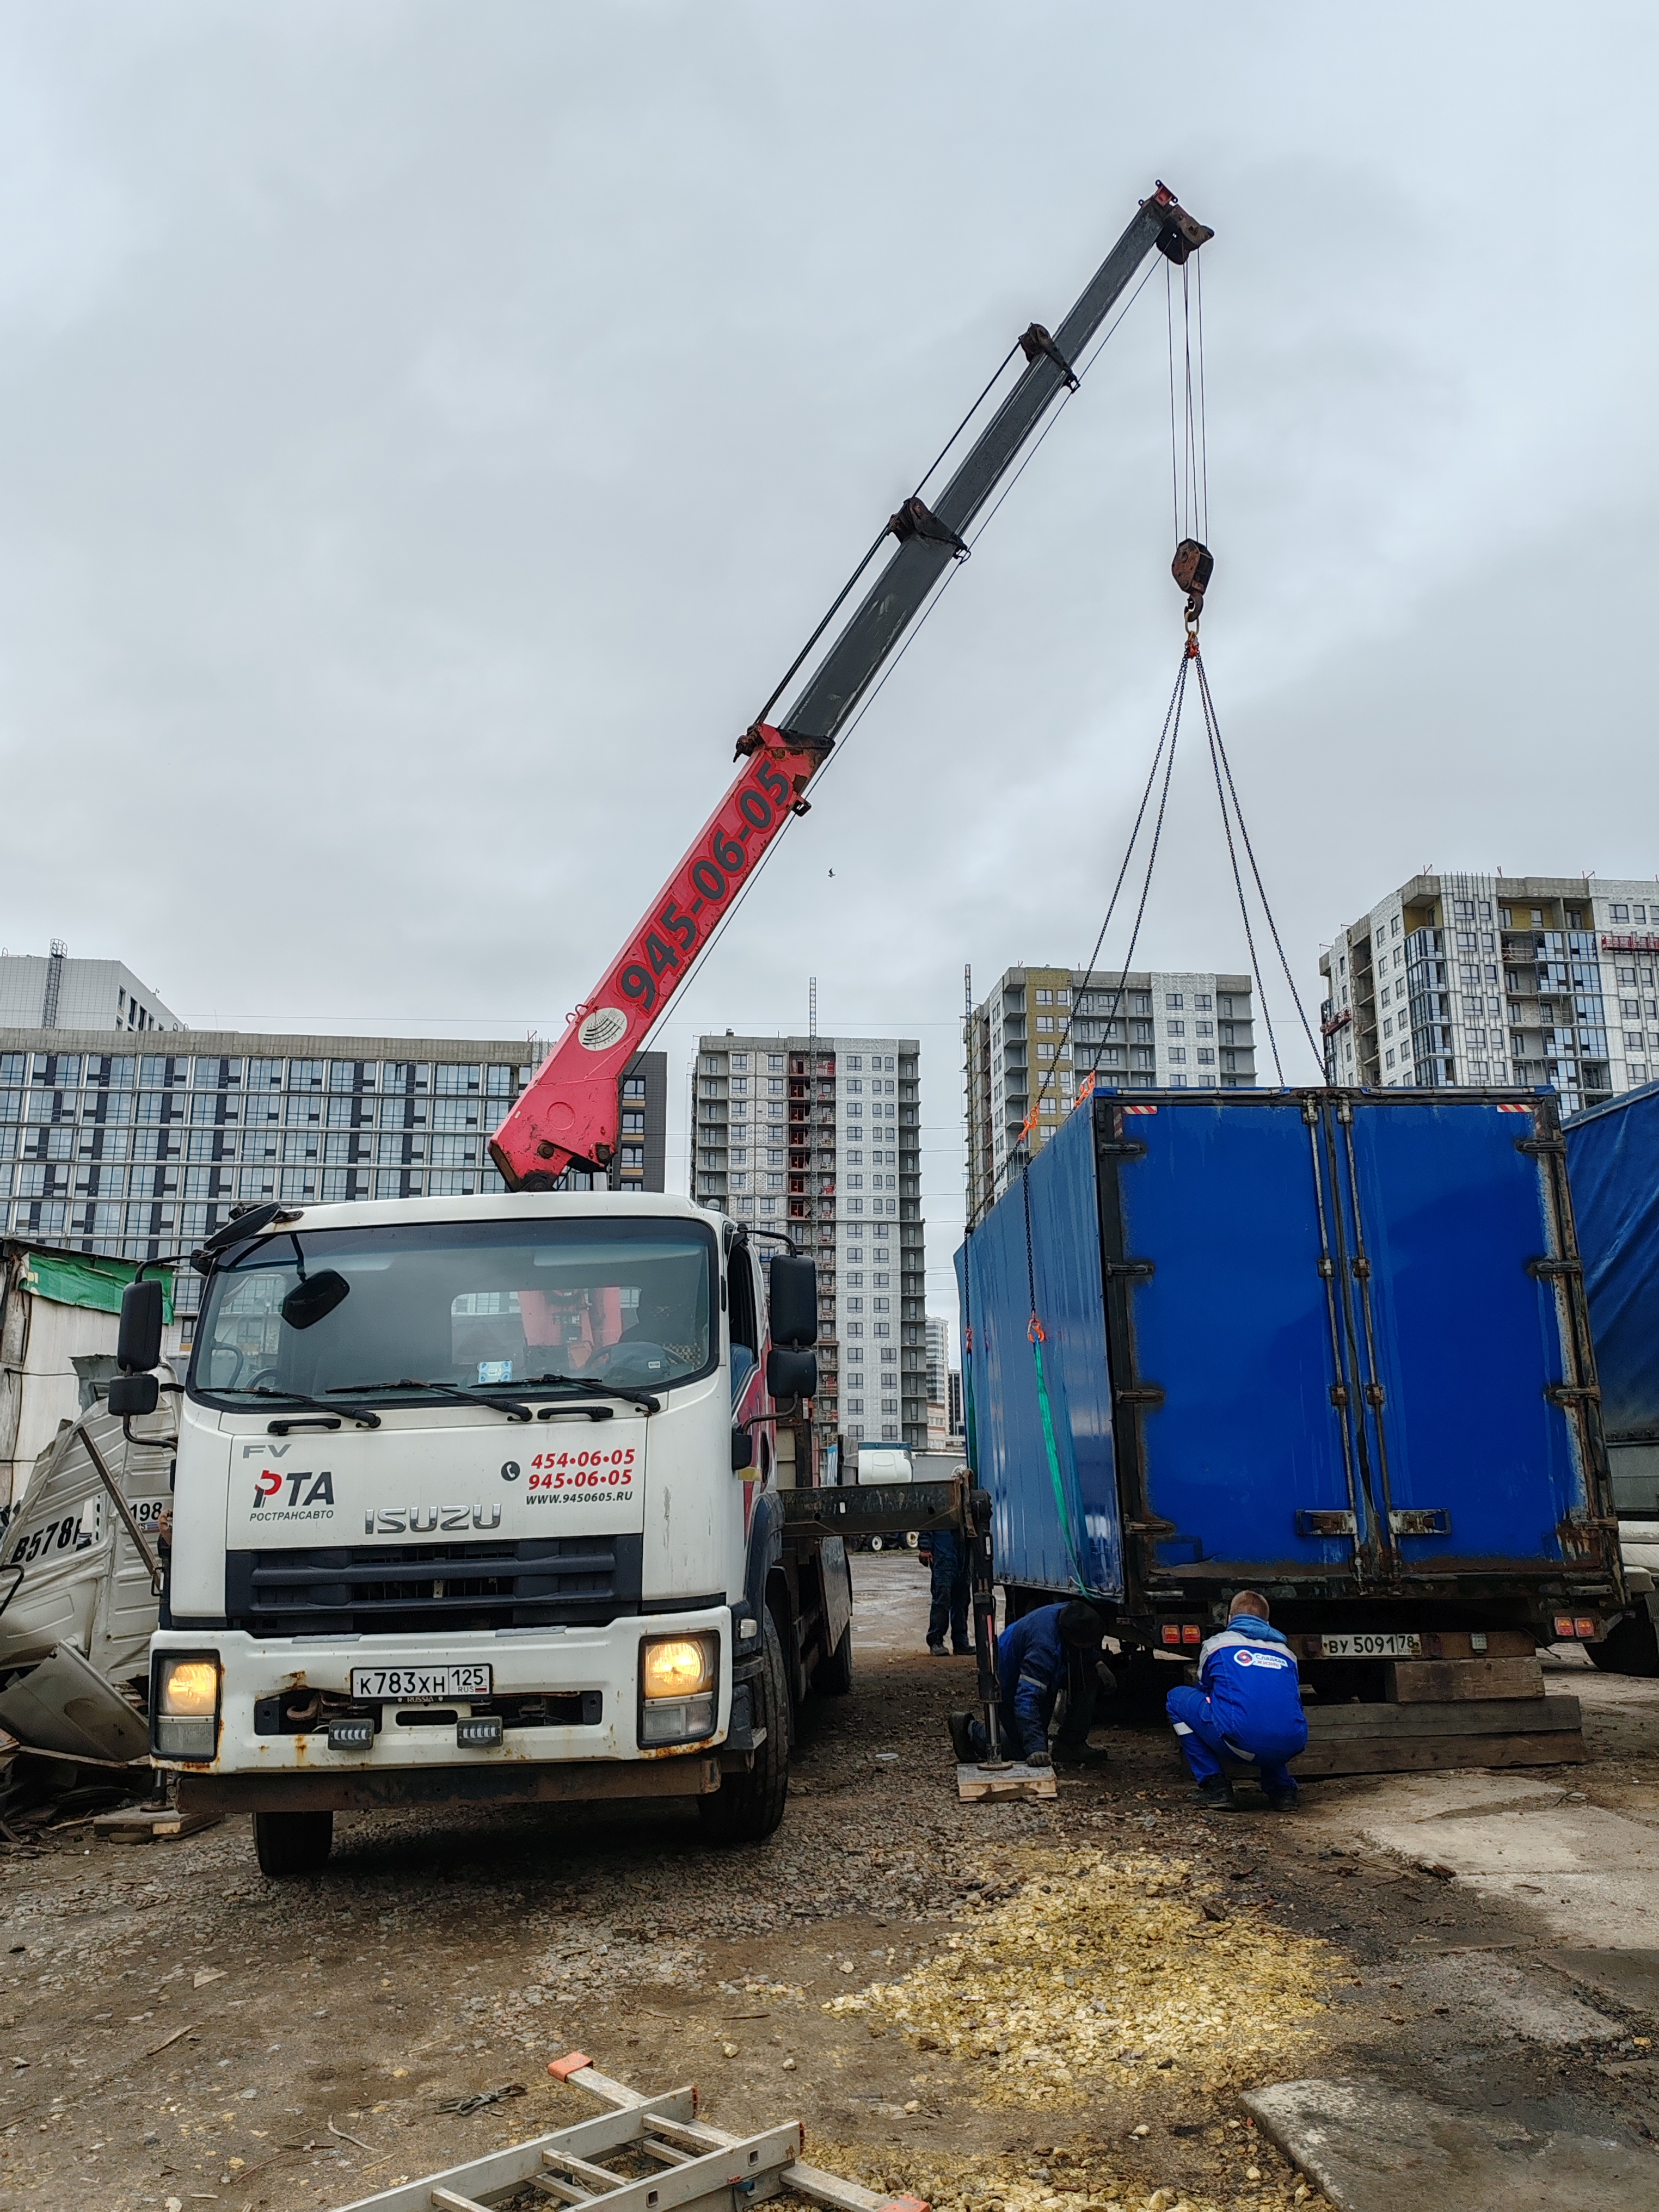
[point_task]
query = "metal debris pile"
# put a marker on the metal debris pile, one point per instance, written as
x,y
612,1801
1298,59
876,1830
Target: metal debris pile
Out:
x,y
1105,1959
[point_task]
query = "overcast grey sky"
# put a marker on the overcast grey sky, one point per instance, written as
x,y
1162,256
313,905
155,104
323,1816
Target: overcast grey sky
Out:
x,y
427,430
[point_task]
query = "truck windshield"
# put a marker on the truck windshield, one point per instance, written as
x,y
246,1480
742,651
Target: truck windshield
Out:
x,y
478,1304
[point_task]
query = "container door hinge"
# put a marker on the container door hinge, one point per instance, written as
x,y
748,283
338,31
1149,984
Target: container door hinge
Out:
x,y
1362,1268
1422,1521
1322,1522
1121,1148
1375,1395
1567,1394
1141,1394
1546,1269
1129,1267
1150,1526
1340,1394
1542,1147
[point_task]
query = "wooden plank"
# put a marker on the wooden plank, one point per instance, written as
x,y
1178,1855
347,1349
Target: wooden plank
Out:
x,y
1491,1717
977,1785
1444,1681
1427,1754
139,1825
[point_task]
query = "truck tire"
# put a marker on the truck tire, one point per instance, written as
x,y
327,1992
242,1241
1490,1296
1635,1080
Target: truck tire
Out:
x,y
1631,1646
747,1807
834,1677
292,1843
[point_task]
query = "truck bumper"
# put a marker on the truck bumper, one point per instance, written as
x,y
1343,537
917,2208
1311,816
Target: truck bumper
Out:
x,y
414,1757
694,1774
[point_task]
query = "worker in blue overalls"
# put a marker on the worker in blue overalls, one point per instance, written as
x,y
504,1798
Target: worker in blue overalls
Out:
x,y
1056,1647
1248,1704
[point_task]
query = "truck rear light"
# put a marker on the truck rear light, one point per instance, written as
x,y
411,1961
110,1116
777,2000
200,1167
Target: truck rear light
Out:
x,y
356,1733
1178,1632
1191,1634
480,1732
1575,1628
186,1705
1172,1632
1584,1628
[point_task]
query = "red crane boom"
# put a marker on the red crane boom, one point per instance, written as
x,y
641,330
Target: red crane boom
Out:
x,y
568,1114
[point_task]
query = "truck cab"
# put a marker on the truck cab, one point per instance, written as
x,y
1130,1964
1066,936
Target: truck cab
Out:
x,y
473,1503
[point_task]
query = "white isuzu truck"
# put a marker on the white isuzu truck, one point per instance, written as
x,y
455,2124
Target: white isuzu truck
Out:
x,y
477,1500
478,1497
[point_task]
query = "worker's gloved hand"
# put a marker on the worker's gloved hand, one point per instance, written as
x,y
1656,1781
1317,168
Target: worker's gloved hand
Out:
x,y
1107,1680
1039,1758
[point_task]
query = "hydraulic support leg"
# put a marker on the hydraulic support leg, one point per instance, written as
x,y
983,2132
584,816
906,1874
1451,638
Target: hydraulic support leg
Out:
x,y
976,1535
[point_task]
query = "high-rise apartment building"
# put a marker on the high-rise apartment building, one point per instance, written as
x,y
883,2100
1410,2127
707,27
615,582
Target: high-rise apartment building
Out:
x,y
143,1154
820,1138
49,991
1469,979
938,1358
1179,1030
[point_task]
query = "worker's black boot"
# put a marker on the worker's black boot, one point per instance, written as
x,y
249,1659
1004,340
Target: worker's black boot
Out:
x,y
961,1726
1080,1754
936,1652
1284,1801
1216,1795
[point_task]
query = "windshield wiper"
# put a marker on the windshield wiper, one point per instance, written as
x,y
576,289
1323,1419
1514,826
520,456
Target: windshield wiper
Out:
x,y
595,1389
445,1389
361,1414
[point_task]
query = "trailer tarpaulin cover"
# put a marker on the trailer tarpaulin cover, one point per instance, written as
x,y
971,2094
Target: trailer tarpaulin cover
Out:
x,y
83,1279
1613,1163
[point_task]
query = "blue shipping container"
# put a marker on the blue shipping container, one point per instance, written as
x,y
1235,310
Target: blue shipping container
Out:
x,y
1329,1341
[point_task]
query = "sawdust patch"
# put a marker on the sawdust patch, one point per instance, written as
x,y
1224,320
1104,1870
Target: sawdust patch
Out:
x,y
1080,2183
1108,1961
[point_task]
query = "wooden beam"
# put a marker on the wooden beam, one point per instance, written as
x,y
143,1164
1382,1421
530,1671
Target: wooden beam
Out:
x,y
1428,1754
1489,1717
1442,1682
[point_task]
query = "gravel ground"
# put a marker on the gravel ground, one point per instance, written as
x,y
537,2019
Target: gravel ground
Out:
x,y
178,2028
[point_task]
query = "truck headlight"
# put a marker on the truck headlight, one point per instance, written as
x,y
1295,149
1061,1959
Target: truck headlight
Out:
x,y
184,1705
678,1693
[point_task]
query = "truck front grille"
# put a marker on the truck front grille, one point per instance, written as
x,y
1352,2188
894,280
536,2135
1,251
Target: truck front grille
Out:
x,y
382,1590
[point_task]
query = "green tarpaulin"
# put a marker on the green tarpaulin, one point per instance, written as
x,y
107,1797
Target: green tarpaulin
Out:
x,y
81,1278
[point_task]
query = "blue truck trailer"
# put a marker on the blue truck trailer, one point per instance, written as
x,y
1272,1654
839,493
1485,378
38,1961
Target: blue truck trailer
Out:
x,y
1329,1344
1613,1166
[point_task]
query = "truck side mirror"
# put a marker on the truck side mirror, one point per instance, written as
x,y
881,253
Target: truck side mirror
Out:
x,y
134,1393
743,1449
792,1301
791,1373
138,1346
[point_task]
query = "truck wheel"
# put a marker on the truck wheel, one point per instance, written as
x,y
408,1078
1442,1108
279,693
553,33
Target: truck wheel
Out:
x,y
1631,1646
292,1843
834,1677
746,1807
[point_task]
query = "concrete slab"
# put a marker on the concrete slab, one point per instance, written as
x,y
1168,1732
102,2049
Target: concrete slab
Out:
x,y
1583,1870
1371,2149
1435,1796
1489,1995
1625,1978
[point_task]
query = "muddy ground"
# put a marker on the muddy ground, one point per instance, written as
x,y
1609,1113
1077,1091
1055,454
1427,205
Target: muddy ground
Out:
x,y
176,2027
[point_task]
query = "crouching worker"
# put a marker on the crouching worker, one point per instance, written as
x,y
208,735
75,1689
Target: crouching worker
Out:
x,y
1248,1704
1056,1647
